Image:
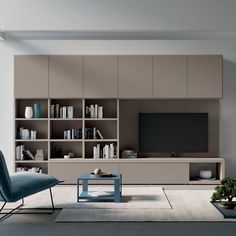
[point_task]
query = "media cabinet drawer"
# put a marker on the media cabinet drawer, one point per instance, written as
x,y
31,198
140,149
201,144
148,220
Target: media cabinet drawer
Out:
x,y
69,172
154,173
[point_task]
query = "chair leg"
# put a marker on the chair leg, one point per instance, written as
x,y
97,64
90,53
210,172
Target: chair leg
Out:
x,y
5,215
12,211
53,208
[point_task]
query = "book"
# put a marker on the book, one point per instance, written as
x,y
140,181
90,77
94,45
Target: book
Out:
x,y
26,155
95,111
57,111
99,134
30,154
100,112
52,111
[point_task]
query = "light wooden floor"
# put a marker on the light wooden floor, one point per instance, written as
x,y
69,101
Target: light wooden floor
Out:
x,y
189,203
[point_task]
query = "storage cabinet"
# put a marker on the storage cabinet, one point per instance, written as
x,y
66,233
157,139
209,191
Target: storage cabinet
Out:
x,y
60,169
170,76
205,76
31,76
101,76
66,76
135,76
154,173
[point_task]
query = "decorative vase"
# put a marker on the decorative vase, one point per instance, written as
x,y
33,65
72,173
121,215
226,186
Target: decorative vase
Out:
x,y
37,110
205,174
28,112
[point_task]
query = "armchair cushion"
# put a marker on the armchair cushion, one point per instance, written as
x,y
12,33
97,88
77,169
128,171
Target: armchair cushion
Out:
x,y
28,183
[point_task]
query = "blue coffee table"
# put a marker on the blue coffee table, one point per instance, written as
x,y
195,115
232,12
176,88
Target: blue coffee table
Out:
x,y
90,196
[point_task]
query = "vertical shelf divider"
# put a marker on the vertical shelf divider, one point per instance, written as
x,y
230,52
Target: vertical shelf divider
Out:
x,y
83,128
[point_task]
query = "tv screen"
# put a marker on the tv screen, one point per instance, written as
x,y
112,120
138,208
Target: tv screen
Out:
x,y
173,132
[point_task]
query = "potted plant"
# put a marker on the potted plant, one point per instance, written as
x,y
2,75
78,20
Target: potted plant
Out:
x,y
225,191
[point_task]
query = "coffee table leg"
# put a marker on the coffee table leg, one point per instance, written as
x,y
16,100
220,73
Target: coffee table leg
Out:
x,y
85,185
77,190
117,190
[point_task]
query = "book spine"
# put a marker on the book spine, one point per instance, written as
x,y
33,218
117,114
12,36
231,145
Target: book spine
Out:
x,y
98,151
61,112
57,111
94,133
95,111
52,111
95,152
100,112
111,150
64,115
92,111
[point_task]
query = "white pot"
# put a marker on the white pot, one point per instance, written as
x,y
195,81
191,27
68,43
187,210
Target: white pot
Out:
x,y
28,112
205,174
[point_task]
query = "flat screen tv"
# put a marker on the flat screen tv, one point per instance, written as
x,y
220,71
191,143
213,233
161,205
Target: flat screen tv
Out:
x,y
173,132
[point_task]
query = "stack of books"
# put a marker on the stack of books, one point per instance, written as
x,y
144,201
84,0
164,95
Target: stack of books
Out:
x,y
94,111
73,134
23,154
27,133
107,151
61,112
92,133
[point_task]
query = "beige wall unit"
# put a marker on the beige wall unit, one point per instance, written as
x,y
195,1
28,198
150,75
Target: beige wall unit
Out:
x,y
65,76
31,76
101,76
205,76
135,76
69,172
157,173
170,76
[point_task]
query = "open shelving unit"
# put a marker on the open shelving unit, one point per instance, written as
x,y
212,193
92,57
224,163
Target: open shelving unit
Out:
x,y
113,126
50,130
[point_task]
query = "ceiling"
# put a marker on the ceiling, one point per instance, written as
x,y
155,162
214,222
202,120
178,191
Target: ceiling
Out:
x,y
118,19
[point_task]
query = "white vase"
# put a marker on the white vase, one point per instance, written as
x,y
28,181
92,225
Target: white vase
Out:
x,y
205,174
28,112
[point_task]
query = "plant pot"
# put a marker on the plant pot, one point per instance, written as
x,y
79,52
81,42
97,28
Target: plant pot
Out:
x,y
228,205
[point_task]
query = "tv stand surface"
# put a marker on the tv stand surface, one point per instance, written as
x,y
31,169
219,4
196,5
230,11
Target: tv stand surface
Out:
x,y
167,170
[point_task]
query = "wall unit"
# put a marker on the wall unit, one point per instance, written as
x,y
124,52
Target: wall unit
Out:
x,y
205,76
170,76
101,76
68,81
135,76
31,76
65,76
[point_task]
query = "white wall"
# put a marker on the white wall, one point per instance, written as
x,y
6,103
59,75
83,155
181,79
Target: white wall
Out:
x,y
118,14
226,47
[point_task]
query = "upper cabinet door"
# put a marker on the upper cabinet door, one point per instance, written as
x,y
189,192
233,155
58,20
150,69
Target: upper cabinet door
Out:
x,y
100,76
31,76
65,76
170,76
205,76
135,76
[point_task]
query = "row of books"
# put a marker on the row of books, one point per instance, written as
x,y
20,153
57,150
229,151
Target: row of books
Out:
x,y
32,169
27,133
92,133
24,154
105,151
61,112
94,111
73,134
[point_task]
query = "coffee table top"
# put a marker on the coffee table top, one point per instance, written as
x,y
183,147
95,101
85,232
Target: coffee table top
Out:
x,y
88,176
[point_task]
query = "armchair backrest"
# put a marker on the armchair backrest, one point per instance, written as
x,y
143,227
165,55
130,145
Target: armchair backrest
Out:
x,y
5,181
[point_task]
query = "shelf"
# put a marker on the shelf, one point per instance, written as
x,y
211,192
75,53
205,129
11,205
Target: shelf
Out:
x,y
32,119
31,140
65,119
202,182
26,161
66,140
100,119
74,159
100,140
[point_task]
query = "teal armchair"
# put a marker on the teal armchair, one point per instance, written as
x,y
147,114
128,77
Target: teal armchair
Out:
x,y
19,185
